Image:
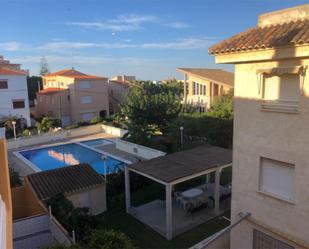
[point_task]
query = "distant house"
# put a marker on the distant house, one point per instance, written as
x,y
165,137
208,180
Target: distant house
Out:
x,y
73,96
13,91
270,156
81,184
203,85
117,90
124,78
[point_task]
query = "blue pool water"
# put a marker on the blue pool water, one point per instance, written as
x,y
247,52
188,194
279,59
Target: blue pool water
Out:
x,y
97,142
71,154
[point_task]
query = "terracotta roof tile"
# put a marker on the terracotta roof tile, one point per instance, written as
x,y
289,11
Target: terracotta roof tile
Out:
x,y
262,37
72,73
64,180
7,71
217,75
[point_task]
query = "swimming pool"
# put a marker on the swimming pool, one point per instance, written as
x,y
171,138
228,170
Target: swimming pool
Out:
x,y
71,154
97,142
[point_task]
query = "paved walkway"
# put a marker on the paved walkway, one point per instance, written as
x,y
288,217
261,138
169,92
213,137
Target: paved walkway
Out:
x,y
111,149
153,214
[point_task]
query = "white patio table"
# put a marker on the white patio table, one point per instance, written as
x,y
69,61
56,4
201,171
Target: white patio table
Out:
x,y
192,193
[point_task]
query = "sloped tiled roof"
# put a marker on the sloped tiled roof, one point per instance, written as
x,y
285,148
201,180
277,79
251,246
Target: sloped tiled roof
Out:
x,y
64,180
7,71
72,73
263,37
50,91
211,74
185,163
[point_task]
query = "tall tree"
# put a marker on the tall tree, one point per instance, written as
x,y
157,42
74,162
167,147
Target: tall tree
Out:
x,y
150,108
44,68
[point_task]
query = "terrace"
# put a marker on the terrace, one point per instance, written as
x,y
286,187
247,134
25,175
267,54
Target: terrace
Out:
x,y
184,207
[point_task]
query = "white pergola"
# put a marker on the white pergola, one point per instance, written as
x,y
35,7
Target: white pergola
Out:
x,y
180,167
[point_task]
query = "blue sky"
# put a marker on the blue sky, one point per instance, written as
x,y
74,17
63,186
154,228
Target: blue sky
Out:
x,y
146,38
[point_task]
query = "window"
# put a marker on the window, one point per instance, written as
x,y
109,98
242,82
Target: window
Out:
x,y
84,85
3,84
201,89
87,116
18,104
281,93
277,179
204,90
193,88
197,89
86,99
264,241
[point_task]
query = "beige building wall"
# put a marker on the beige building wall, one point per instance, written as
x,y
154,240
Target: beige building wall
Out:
x,y
83,99
278,135
97,93
5,190
201,99
117,92
52,104
25,202
94,199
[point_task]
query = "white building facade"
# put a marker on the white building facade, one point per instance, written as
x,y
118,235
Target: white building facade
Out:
x,y
14,100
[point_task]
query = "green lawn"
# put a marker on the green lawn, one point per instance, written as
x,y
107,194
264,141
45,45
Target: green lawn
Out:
x,y
142,235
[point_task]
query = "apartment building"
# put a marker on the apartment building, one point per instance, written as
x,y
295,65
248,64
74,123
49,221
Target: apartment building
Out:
x,y
117,90
13,91
270,152
73,96
5,197
202,86
124,78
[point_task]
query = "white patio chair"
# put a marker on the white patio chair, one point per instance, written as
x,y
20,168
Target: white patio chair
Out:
x,y
178,197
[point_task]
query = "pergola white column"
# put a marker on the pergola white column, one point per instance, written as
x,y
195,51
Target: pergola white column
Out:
x,y
127,189
217,191
169,213
169,189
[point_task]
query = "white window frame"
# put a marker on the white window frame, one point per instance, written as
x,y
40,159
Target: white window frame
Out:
x,y
85,113
83,86
268,192
86,99
281,105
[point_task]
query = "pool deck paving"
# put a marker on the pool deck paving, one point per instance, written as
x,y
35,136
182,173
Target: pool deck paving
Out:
x,y
23,169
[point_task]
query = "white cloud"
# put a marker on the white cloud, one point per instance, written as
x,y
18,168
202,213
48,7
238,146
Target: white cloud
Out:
x,y
11,46
79,60
129,22
189,43
177,25
58,46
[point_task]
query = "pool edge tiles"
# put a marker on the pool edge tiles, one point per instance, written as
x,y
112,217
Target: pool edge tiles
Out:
x,y
114,163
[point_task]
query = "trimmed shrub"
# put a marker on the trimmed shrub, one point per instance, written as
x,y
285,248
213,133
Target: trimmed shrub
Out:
x,y
109,239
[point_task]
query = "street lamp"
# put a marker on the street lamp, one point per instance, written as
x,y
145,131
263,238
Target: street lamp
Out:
x,y
104,158
181,136
14,128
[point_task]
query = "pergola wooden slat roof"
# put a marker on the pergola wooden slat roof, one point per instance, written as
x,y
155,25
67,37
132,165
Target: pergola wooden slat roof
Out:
x,y
183,164
179,167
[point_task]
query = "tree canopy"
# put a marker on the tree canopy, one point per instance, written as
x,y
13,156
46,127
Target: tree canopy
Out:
x,y
150,108
223,107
